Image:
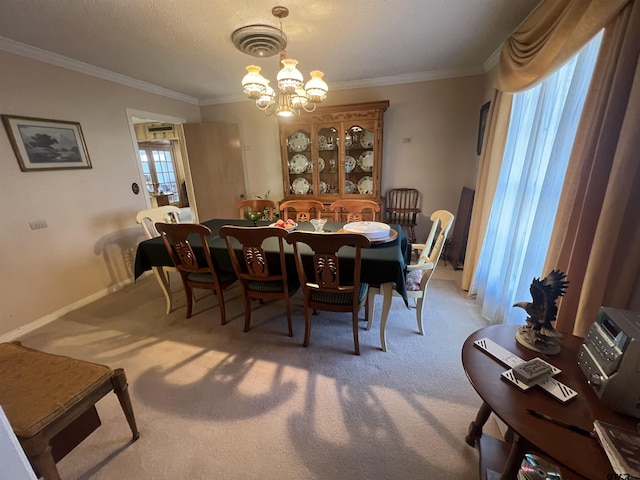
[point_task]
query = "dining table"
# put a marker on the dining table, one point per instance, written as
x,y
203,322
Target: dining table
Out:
x,y
383,264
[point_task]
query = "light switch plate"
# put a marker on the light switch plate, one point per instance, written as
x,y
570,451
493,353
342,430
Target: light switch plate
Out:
x,y
38,224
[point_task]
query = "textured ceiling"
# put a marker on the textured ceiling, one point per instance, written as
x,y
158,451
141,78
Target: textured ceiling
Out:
x,y
185,45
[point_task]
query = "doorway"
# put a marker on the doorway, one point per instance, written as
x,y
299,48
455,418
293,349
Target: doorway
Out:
x,y
207,161
164,175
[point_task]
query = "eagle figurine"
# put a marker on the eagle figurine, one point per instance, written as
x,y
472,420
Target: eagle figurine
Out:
x,y
539,332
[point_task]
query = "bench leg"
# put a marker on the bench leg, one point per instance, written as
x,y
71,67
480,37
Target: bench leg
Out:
x,y
44,462
121,389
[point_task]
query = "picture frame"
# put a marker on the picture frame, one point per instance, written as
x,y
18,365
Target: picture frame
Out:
x,y
484,112
42,144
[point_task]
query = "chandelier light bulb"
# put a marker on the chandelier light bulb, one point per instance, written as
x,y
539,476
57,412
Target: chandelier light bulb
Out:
x,y
289,77
299,99
316,87
266,99
253,83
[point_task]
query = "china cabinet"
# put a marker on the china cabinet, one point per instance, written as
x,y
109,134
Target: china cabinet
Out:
x,y
333,153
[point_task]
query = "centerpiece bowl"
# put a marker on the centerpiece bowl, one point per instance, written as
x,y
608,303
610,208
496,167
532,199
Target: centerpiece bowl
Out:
x,y
254,216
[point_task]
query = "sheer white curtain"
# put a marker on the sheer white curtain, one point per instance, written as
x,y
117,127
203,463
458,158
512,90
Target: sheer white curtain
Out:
x,y
541,132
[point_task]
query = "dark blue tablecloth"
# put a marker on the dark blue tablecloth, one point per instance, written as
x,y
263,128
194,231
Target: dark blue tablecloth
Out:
x,y
382,263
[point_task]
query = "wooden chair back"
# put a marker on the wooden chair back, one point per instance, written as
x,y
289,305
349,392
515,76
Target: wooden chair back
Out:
x,y
195,273
442,223
148,218
354,210
260,276
301,210
329,288
401,207
259,204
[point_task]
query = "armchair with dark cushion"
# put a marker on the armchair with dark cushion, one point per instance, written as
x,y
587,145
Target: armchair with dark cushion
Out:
x,y
330,287
262,277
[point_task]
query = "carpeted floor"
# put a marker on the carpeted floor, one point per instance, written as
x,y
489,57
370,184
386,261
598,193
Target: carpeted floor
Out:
x,y
213,402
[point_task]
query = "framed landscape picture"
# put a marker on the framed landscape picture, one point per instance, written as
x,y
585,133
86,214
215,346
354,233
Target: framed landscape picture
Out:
x,y
41,144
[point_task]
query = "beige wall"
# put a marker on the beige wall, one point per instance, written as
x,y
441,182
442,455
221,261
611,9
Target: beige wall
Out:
x,y
89,247
90,243
440,117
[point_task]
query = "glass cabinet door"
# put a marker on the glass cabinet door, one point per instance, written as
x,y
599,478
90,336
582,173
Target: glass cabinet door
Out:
x,y
328,160
359,160
300,163
333,153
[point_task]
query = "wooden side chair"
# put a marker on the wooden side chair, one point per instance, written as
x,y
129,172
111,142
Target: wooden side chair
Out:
x,y
301,210
262,277
264,205
50,400
330,287
419,274
194,272
401,207
354,210
148,218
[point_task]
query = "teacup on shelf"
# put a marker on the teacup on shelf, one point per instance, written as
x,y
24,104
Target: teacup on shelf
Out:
x,y
318,223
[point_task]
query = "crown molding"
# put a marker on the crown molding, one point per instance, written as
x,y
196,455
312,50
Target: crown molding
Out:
x,y
493,59
11,46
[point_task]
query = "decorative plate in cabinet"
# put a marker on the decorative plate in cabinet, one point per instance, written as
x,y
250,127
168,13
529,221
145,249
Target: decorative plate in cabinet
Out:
x,y
300,186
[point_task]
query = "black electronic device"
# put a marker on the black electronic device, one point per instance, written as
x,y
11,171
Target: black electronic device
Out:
x,y
610,359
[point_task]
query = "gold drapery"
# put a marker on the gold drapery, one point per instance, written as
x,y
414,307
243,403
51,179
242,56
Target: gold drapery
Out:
x,y
596,235
597,225
551,35
493,147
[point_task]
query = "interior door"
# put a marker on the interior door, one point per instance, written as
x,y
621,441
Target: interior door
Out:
x,y
217,172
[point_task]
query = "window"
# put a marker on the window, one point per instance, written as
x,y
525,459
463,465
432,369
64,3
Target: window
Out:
x,y
159,170
542,128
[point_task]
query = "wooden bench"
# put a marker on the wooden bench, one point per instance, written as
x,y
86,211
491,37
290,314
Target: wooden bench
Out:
x,y
50,402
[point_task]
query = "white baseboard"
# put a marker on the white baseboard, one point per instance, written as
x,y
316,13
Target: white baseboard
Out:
x,y
40,322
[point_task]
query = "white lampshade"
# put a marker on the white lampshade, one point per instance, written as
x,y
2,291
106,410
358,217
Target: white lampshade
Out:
x,y
266,98
316,87
253,83
299,99
289,77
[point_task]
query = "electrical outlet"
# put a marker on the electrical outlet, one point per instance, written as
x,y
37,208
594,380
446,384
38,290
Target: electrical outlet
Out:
x,y
406,139
38,224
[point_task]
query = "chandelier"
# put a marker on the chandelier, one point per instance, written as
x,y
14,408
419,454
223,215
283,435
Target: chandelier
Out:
x,y
292,95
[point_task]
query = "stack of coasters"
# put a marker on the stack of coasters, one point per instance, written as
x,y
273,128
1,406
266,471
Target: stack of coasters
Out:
x,y
531,371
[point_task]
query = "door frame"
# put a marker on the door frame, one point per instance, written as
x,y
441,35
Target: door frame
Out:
x,y
178,121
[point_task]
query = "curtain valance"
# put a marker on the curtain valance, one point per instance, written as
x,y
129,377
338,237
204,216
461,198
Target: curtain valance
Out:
x,y
551,35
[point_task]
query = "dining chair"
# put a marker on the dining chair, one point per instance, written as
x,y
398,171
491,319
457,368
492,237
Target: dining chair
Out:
x,y
401,208
261,277
354,210
420,273
148,218
330,288
301,210
265,205
194,272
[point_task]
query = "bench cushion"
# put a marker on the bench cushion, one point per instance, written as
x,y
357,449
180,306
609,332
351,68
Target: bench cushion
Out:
x,y
38,387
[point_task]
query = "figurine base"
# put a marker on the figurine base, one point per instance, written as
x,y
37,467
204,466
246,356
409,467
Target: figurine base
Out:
x,y
533,340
